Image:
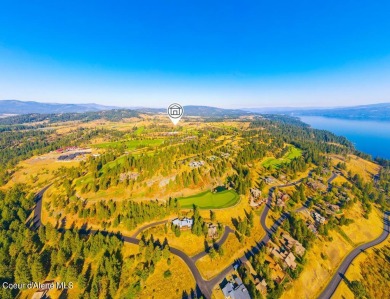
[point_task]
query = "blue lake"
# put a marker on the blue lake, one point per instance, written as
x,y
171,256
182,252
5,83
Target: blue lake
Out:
x,y
371,137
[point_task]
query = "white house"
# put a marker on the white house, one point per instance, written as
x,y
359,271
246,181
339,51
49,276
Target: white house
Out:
x,y
184,223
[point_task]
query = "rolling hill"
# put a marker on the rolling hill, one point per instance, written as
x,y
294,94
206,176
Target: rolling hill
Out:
x,y
26,107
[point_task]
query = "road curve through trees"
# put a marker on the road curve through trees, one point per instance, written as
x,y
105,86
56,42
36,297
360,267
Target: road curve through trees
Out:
x,y
201,284
205,287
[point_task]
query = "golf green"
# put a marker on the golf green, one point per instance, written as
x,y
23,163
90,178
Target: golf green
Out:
x,y
210,200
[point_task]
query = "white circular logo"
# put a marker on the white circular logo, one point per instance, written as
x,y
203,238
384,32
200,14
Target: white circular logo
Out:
x,y
175,110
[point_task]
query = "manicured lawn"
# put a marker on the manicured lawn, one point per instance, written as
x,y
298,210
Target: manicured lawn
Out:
x,y
209,200
292,153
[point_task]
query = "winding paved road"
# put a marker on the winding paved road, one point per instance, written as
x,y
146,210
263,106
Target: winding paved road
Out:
x,y
145,227
202,285
338,276
38,207
205,287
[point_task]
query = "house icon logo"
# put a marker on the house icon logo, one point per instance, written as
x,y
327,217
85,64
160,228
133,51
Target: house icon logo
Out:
x,y
175,110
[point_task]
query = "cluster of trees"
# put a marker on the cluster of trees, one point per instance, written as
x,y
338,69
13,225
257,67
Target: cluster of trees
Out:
x,y
299,134
152,251
295,165
357,289
16,240
215,251
373,192
298,230
176,230
261,266
241,180
199,226
129,213
244,226
110,169
29,255
383,198
247,280
35,255
299,194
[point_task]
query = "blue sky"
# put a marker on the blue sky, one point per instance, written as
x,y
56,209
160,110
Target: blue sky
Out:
x,y
219,53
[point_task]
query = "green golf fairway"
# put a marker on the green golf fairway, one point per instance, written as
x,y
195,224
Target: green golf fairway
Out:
x,y
209,200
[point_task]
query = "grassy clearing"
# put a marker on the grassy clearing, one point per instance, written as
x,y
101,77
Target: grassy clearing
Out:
x,y
210,200
129,144
339,180
38,171
363,230
187,242
358,165
292,153
180,281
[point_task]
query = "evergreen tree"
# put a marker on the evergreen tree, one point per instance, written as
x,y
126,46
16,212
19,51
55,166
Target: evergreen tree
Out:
x,y
22,271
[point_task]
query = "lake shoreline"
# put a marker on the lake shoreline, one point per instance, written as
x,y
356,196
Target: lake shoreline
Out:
x,y
368,136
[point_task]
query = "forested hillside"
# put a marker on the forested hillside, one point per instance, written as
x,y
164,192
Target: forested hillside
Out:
x,y
116,187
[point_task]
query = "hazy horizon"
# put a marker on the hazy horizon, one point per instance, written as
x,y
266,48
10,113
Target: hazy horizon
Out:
x,y
191,104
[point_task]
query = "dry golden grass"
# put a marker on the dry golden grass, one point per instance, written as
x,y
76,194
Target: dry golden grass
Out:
x,y
217,293
233,249
363,230
271,218
339,180
38,171
187,242
318,271
354,272
129,249
358,165
181,280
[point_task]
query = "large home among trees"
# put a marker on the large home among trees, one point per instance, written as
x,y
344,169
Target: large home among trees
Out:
x,y
293,244
235,289
185,223
318,218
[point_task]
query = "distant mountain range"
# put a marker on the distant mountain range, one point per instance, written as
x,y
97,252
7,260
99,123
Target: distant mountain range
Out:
x,y
366,112
22,107
202,111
